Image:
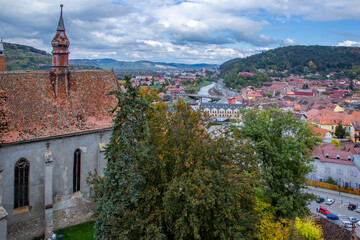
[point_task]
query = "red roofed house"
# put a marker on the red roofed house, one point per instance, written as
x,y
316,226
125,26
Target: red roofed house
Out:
x,y
328,119
323,133
232,100
303,92
175,91
342,164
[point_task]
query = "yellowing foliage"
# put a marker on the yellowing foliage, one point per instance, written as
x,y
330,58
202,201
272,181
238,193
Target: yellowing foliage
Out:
x,y
149,93
335,143
307,229
271,229
312,65
285,229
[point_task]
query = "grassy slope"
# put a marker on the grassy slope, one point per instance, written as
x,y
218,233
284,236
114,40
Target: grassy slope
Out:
x,y
20,57
84,231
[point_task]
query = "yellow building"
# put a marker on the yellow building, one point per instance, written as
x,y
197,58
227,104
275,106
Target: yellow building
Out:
x,y
329,120
217,110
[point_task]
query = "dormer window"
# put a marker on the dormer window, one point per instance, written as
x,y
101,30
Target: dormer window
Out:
x,y
349,158
327,155
338,156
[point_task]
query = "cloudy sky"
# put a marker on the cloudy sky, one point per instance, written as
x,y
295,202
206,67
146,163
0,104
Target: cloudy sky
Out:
x,y
193,31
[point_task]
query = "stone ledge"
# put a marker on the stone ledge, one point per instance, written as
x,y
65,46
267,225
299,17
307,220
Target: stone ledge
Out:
x,y
3,213
21,210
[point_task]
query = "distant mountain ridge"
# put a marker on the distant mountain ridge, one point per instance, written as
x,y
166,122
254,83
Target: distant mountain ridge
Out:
x,y
108,63
22,57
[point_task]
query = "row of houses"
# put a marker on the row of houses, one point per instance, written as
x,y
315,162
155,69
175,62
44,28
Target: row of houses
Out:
x,y
329,120
342,164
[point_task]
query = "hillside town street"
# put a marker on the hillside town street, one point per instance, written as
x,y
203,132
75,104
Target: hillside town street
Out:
x,y
339,207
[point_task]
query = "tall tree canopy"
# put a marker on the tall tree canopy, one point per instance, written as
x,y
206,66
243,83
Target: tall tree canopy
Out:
x,y
168,179
340,131
283,145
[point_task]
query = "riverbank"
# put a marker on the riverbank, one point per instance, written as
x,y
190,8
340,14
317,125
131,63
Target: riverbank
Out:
x,y
214,92
205,90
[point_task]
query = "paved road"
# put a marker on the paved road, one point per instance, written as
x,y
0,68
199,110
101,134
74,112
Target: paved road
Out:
x,y
339,207
227,93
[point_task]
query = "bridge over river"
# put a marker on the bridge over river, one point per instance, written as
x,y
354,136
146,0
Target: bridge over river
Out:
x,y
197,96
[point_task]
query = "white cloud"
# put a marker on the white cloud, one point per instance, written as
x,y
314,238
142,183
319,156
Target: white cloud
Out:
x,y
349,43
289,41
164,30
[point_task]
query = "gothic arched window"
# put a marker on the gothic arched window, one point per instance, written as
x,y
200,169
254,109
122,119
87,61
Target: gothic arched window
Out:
x,y
77,168
21,183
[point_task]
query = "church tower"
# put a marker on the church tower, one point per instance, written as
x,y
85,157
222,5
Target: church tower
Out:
x,y
2,57
60,74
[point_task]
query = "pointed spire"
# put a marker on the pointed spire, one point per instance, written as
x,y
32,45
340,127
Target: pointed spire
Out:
x,y
1,46
61,25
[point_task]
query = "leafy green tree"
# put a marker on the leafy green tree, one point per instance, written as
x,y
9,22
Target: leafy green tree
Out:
x,y
340,131
283,145
351,86
269,95
191,90
168,179
118,190
167,98
305,86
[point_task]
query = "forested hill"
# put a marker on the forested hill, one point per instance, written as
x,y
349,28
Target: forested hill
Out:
x,y
21,57
297,59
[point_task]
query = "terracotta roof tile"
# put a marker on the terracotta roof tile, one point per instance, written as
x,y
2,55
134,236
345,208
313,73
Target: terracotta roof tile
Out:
x,y
330,153
33,112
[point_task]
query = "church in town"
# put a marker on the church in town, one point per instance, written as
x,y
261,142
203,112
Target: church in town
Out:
x,y
54,126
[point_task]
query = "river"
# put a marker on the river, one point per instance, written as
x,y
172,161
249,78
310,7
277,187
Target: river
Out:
x,y
205,91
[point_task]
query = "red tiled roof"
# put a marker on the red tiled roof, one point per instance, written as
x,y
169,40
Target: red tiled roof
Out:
x,y
161,94
329,117
299,93
330,153
32,111
322,131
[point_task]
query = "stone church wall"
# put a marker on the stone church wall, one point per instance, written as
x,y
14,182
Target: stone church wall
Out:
x,y
68,208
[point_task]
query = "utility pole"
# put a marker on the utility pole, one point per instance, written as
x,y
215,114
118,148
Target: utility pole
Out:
x,y
339,185
353,234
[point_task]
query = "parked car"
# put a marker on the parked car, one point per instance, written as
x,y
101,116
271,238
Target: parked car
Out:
x,y
346,224
353,219
330,201
358,209
351,206
332,216
324,210
320,200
